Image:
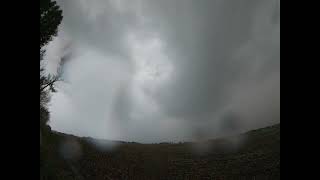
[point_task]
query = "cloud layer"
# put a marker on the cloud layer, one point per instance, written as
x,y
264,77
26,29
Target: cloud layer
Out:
x,y
169,70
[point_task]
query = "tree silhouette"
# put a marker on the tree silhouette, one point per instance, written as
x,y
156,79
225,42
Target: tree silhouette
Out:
x,y
50,18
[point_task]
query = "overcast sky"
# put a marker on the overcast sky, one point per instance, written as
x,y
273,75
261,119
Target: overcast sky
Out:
x,y
166,70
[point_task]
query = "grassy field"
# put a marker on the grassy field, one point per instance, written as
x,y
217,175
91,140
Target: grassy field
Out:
x,y
252,155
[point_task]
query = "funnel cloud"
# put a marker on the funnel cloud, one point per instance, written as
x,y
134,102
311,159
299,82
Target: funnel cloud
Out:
x,y
170,70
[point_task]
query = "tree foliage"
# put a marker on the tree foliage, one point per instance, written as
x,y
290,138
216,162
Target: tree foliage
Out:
x,y
50,18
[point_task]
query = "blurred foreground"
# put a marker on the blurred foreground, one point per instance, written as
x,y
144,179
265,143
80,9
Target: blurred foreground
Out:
x,y
253,155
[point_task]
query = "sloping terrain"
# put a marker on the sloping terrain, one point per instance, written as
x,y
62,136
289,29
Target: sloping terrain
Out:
x,y
253,155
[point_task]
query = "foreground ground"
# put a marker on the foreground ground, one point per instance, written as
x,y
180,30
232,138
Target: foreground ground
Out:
x,y
253,155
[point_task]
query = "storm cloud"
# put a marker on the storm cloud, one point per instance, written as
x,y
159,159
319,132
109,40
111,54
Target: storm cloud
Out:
x,y
169,70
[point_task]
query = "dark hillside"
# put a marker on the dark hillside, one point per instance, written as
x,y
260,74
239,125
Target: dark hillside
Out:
x,y
257,157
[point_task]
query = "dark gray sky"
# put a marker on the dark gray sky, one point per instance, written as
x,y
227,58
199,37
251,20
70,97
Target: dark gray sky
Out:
x,y
166,70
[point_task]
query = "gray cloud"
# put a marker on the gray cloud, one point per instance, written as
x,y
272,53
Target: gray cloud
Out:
x,y
150,71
